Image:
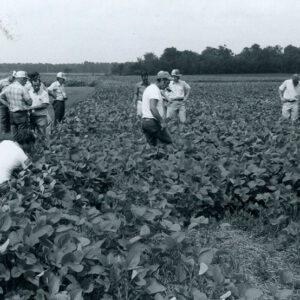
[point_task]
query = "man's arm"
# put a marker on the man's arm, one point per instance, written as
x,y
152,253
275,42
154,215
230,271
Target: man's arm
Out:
x,y
51,90
155,113
3,99
135,95
281,94
187,90
26,97
41,106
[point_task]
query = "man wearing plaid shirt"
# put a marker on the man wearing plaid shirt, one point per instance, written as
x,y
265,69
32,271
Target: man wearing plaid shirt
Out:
x,y
18,100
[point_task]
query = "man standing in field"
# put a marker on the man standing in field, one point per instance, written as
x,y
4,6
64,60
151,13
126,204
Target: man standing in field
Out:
x,y
289,93
178,94
40,102
18,101
138,93
57,91
153,111
4,112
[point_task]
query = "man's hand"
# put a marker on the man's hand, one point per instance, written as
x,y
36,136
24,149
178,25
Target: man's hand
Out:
x,y
163,124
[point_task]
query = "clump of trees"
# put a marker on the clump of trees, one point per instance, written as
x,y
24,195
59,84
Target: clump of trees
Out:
x,y
221,60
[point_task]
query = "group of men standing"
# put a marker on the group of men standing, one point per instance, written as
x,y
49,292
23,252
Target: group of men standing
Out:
x,y
25,104
161,101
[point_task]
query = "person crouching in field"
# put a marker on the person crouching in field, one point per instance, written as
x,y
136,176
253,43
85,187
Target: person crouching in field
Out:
x,y
153,111
138,93
57,91
38,113
177,94
289,93
18,100
4,111
13,155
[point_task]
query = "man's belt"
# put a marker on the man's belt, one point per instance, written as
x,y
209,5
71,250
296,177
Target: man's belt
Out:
x,y
177,99
291,101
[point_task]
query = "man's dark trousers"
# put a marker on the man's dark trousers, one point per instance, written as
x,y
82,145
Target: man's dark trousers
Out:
x,y
4,119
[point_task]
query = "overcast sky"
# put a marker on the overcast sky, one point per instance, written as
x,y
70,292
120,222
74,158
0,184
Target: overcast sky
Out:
x,y
65,31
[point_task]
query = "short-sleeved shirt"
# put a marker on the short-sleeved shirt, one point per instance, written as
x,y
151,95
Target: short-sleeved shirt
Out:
x,y
41,97
178,89
290,92
139,90
11,157
152,92
59,90
17,97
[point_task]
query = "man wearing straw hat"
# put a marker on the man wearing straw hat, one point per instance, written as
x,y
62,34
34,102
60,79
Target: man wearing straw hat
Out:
x,y
178,94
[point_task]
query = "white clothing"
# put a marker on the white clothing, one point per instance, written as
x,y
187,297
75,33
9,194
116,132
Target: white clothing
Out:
x,y
41,97
59,90
11,156
178,89
290,110
152,92
290,92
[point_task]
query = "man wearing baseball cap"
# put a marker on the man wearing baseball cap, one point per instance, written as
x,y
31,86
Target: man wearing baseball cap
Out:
x,y
4,112
57,91
18,101
178,95
153,111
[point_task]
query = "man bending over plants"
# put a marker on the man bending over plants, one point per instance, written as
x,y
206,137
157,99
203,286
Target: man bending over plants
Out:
x,y
12,156
289,93
153,111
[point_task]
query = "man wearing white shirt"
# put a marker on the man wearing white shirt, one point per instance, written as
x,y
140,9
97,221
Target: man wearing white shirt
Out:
x,y
57,91
289,93
12,156
153,111
40,102
177,93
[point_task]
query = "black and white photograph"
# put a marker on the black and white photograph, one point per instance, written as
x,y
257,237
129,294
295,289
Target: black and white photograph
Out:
x,y
149,150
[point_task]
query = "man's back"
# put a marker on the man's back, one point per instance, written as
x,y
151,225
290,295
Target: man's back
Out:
x,y
152,92
17,97
11,156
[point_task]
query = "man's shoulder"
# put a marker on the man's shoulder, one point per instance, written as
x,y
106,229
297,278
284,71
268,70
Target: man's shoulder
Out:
x,y
9,144
54,84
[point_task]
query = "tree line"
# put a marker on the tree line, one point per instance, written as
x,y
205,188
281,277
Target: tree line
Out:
x,y
221,60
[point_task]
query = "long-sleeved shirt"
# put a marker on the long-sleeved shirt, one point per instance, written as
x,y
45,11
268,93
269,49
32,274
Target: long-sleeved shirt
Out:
x,y
17,97
59,90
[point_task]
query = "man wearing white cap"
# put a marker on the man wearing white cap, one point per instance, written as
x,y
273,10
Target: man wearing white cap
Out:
x,y
4,112
18,101
178,95
153,111
57,91
289,93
